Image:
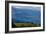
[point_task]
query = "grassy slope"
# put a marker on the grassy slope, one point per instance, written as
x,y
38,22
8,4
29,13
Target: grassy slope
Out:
x,y
25,25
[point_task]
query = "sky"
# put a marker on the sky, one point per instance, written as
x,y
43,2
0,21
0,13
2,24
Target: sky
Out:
x,y
26,13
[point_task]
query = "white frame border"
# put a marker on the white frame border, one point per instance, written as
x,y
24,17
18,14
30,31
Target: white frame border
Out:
x,y
26,28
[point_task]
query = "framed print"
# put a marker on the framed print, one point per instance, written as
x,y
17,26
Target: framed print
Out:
x,y
24,16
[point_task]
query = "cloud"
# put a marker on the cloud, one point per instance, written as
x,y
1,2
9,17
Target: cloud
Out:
x,y
27,7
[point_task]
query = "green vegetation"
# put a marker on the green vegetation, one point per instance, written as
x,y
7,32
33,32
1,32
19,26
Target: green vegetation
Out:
x,y
25,25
